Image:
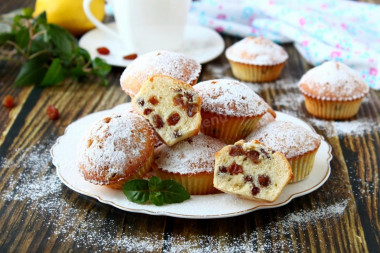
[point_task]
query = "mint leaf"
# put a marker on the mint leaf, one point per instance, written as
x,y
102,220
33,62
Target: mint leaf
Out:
x,y
54,74
157,198
155,184
32,72
136,190
173,192
22,38
61,40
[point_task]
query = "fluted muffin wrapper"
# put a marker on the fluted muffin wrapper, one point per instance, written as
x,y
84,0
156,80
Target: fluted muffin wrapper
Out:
x,y
256,73
195,184
302,166
330,109
227,128
140,173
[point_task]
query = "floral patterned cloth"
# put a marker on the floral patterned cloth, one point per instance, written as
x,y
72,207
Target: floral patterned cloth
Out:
x,y
339,30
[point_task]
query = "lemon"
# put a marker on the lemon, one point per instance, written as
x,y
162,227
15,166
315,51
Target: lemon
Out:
x,y
70,14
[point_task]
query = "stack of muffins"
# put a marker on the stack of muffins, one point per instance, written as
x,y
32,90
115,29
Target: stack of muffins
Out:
x,y
181,130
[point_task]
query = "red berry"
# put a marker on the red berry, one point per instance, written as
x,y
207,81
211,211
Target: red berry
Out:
x,y
103,50
52,112
130,57
8,101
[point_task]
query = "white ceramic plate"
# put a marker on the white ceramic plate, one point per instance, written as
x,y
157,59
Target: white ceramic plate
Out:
x,y
200,207
201,43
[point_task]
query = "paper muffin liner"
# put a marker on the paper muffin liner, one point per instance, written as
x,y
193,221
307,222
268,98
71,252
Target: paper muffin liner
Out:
x,y
229,129
330,109
140,173
195,184
302,166
256,73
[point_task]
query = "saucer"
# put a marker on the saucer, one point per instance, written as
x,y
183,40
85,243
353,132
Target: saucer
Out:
x,y
200,43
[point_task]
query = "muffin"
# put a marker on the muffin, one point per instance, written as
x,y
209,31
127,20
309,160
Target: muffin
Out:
x,y
190,163
298,144
172,107
230,109
162,62
252,171
332,91
256,59
116,149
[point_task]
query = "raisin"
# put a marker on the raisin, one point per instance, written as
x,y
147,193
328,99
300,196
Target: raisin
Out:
x,y
189,96
190,141
222,169
141,101
103,50
178,100
255,190
130,57
177,133
264,180
236,151
107,120
192,109
147,111
265,153
8,101
173,119
248,178
153,100
235,169
157,120
52,112
254,156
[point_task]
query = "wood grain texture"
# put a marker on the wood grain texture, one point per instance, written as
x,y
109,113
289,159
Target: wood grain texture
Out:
x,y
39,214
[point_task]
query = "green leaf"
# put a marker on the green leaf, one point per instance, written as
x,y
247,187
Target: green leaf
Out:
x,y
157,198
100,67
54,74
62,41
155,184
32,72
22,38
4,37
136,190
173,192
27,12
40,19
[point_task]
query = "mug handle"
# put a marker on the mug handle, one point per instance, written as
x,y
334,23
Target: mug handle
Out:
x,y
97,23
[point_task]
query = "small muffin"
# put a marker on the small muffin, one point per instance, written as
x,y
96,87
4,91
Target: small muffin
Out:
x,y
171,106
230,109
256,59
168,63
252,171
333,91
190,163
116,149
298,144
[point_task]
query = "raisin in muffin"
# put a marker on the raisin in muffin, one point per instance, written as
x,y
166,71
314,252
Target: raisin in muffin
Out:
x,y
298,144
162,62
252,171
171,106
116,149
333,91
189,162
256,59
230,109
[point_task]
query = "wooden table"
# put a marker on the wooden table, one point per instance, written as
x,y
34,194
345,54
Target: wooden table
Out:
x,y
39,214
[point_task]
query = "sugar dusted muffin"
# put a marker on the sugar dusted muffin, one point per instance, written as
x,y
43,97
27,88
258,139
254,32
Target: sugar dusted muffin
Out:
x,y
333,91
256,59
161,62
116,149
189,162
230,109
298,144
171,106
252,171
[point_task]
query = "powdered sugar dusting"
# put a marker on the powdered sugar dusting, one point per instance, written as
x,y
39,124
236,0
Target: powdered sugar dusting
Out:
x,y
112,144
258,51
229,97
193,155
333,80
173,64
286,137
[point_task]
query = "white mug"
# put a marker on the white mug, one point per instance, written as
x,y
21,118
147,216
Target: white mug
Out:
x,y
146,25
